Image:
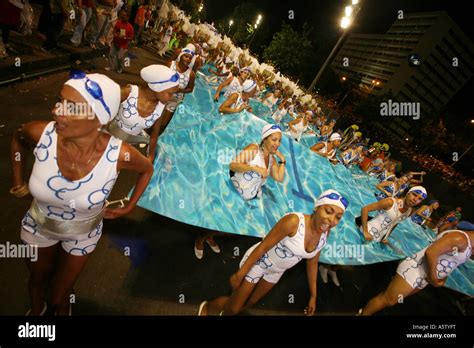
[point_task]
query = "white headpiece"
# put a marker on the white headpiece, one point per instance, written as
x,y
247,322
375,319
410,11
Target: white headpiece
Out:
x,y
100,92
248,86
159,77
332,197
269,129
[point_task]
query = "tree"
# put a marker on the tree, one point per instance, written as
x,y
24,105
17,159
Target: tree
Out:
x,y
191,7
291,52
243,15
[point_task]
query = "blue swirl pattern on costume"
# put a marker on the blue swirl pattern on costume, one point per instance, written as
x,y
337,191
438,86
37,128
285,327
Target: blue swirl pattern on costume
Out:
x,y
65,212
60,185
98,197
130,107
41,151
111,157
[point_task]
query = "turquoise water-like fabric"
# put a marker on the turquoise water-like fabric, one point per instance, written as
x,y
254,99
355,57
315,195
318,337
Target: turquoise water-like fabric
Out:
x,y
191,184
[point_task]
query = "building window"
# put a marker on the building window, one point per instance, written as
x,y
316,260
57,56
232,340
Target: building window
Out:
x,y
448,80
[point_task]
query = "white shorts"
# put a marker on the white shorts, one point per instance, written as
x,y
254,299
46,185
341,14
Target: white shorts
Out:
x,y
263,268
84,245
413,270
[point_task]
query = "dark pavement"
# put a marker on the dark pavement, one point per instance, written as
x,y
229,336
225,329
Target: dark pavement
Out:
x,y
162,276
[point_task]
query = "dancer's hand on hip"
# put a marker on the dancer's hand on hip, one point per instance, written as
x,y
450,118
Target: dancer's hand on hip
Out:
x,y
114,213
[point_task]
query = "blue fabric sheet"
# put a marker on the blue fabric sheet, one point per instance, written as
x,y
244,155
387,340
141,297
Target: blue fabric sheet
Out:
x,y
191,184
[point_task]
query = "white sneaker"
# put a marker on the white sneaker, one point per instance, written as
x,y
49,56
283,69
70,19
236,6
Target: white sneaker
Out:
x,y
215,248
334,278
201,307
199,253
323,271
45,307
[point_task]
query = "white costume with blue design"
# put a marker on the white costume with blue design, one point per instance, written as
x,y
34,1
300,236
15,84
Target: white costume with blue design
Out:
x,y
238,102
270,101
419,218
279,114
183,83
249,184
68,201
385,175
129,122
383,223
413,269
331,154
391,189
183,79
233,87
128,118
300,128
284,255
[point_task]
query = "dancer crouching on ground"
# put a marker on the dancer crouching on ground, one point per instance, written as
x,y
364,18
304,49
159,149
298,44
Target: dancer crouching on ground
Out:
x,y
393,211
431,265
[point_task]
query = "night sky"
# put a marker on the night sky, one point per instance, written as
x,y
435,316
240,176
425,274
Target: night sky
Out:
x,y
376,16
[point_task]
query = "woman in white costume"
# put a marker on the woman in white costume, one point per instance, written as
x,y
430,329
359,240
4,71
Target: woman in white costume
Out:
x,y
393,211
295,237
248,173
76,166
238,101
142,106
431,265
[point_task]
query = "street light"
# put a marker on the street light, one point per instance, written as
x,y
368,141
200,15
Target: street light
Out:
x,y
348,11
345,22
374,83
255,26
350,14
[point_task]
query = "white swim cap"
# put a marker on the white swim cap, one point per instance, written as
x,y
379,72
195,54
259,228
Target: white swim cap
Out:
x,y
228,60
332,197
420,190
248,86
269,129
247,69
189,49
335,136
159,77
100,92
